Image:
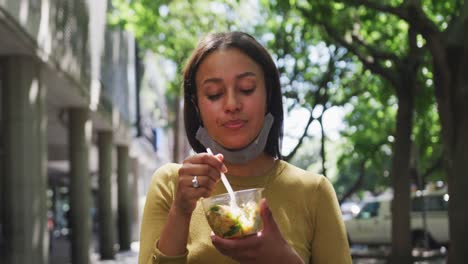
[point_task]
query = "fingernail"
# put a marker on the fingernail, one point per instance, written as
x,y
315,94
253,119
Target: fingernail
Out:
x,y
224,169
213,239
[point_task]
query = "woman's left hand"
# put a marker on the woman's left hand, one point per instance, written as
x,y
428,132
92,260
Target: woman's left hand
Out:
x,y
267,246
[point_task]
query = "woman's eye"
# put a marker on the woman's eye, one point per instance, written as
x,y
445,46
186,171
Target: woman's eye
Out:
x,y
248,91
213,97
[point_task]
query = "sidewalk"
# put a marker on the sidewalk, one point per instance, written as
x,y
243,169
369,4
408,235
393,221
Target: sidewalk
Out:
x,y
61,254
124,257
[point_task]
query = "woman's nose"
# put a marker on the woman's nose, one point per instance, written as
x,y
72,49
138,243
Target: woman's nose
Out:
x,y
232,103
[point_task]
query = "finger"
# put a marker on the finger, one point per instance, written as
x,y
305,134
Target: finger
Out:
x,y
220,157
205,158
242,244
204,182
191,170
240,252
220,249
269,223
194,194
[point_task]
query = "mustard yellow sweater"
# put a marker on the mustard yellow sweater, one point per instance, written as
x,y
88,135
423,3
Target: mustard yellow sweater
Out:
x,y
303,204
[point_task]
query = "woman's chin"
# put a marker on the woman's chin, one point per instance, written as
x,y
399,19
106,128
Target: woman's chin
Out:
x,y
234,146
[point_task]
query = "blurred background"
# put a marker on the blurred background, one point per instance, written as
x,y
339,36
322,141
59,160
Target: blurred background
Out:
x,y
91,105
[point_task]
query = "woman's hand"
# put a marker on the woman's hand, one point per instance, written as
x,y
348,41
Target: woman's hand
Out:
x,y
173,240
207,169
267,246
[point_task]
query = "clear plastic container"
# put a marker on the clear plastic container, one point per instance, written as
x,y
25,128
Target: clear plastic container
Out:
x,y
230,222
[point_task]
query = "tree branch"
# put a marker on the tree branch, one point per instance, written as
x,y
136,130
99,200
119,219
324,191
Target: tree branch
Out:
x,y
356,185
437,165
301,139
378,54
368,61
376,5
348,98
322,140
410,11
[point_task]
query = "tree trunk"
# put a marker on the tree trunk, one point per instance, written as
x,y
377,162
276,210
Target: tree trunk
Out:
x,y
322,145
457,168
452,97
401,237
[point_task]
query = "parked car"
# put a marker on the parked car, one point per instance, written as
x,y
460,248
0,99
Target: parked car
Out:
x,y
349,210
372,226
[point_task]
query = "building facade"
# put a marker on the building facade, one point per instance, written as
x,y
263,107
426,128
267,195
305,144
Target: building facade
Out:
x,y
71,162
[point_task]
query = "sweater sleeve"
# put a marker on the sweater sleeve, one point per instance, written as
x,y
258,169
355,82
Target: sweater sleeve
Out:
x,y
330,244
158,202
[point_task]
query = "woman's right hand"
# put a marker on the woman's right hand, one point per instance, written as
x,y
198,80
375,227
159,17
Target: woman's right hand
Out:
x,y
207,168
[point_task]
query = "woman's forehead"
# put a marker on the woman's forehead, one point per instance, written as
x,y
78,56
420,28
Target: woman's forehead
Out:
x,y
226,64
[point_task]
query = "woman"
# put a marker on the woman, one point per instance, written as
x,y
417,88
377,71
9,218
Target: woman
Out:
x,y
233,105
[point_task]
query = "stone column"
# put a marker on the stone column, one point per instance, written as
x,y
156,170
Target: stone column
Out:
x,y
106,222
25,162
135,194
80,130
123,208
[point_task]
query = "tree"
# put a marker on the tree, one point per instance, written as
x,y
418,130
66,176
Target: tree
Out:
x,y
388,44
309,82
346,29
364,163
442,25
365,160
373,30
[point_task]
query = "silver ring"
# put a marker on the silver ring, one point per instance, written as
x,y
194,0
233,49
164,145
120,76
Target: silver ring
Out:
x,y
195,183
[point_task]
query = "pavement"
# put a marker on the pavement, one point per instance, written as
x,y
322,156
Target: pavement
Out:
x,y
60,254
125,257
121,257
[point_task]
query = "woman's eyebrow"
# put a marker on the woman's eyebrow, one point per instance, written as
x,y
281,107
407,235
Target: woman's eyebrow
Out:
x,y
245,74
213,80
219,80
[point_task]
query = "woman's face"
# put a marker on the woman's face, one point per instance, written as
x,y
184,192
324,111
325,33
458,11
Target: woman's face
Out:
x,y
231,97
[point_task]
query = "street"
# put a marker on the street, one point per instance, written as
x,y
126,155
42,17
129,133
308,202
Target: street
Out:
x,y
378,255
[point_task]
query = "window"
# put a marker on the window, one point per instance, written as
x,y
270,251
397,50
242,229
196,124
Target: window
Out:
x,y
369,210
431,203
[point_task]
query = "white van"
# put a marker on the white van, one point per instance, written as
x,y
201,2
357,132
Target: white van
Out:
x,y
373,224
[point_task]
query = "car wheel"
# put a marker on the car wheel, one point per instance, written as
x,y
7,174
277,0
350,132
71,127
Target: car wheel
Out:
x,y
419,241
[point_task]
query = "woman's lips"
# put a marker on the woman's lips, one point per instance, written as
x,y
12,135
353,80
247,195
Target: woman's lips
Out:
x,y
233,124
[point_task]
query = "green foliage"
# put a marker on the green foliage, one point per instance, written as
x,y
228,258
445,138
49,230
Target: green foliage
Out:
x,y
368,138
172,28
321,48
380,41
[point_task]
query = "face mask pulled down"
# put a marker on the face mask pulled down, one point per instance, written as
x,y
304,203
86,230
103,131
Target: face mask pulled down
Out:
x,y
241,156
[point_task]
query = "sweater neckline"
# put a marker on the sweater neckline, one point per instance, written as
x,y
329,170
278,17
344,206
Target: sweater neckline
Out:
x,y
257,181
